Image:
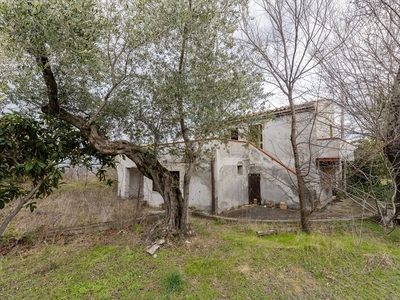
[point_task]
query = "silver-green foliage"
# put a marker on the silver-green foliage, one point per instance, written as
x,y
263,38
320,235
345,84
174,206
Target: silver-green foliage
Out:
x,y
131,65
154,71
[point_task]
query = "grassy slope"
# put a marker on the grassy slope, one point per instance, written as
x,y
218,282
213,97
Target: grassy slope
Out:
x,y
78,202
350,260
224,261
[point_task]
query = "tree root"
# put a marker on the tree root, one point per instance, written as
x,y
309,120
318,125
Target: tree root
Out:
x,y
163,230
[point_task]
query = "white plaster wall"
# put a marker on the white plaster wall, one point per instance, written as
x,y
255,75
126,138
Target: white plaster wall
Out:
x,y
328,148
338,148
200,188
123,166
276,138
152,198
307,139
147,193
232,186
325,125
276,182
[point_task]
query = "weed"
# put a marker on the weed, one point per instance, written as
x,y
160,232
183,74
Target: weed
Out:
x,y
246,228
173,282
225,248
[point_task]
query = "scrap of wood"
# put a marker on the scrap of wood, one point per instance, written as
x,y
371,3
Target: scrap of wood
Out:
x,y
153,248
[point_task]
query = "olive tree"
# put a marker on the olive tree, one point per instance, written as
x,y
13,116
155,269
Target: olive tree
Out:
x,y
155,71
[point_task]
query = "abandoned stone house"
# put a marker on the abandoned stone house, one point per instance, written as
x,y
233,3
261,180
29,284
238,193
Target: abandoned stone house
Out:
x,y
241,172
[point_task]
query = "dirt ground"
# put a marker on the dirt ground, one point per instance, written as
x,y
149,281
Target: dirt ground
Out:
x,y
336,210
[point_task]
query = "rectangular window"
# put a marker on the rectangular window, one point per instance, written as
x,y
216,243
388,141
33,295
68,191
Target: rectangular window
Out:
x,y
240,168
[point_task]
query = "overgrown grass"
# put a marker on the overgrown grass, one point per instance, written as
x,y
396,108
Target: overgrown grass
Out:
x,y
225,260
345,260
78,202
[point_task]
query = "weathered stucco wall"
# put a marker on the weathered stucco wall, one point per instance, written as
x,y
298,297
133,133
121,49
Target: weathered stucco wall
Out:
x,y
276,140
123,167
231,177
234,162
277,182
325,125
276,137
200,188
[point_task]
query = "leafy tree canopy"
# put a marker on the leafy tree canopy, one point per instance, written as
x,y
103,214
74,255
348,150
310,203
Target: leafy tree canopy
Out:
x,y
136,67
370,165
153,71
36,152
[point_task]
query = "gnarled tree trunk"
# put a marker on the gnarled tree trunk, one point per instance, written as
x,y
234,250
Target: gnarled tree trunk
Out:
x,y
168,186
146,162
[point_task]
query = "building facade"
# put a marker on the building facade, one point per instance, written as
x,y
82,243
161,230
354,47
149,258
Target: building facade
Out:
x,y
242,172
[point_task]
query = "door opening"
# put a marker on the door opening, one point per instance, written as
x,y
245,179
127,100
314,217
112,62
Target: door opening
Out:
x,y
254,189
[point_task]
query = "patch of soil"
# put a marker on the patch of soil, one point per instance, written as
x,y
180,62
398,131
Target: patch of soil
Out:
x,y
336,210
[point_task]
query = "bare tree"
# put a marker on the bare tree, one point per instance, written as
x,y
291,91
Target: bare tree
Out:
x,y
289,39
366,73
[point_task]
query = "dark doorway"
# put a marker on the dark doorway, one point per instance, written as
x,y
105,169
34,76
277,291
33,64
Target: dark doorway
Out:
x,y
254,189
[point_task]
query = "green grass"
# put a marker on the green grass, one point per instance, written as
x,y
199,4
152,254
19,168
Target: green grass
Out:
x,y
173,282
348,260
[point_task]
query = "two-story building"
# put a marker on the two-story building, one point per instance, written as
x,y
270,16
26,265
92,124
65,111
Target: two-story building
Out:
x,y
241,172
